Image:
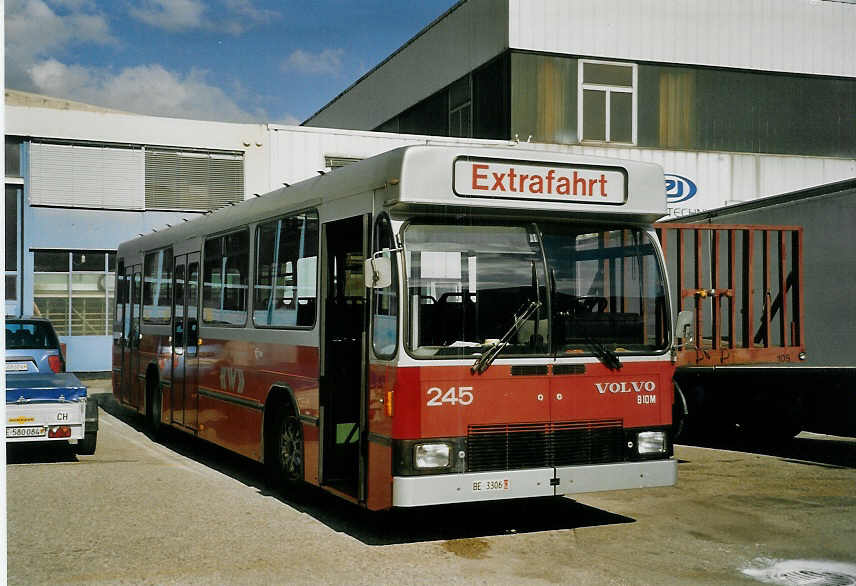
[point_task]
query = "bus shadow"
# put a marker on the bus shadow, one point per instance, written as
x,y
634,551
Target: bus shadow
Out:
x,y
451,522
399,526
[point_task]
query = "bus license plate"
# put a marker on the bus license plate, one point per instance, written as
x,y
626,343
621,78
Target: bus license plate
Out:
x,y
491,485
26,431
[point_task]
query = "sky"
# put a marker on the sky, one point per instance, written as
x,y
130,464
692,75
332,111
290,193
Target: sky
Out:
x,y
226,60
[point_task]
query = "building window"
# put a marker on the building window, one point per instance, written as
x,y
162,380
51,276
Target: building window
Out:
x,y
13,207
75,290
607,102
461,108
13,156
177,180
226,274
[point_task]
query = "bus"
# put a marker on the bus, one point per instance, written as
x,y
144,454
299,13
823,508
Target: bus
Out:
x,y
433,325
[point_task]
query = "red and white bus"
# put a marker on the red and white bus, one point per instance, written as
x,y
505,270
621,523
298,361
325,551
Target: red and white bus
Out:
x,y
432,325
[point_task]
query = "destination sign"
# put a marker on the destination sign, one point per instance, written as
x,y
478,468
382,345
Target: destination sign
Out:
x,y
573,184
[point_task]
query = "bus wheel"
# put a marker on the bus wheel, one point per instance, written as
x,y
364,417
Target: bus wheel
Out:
x,y
153,408
285,456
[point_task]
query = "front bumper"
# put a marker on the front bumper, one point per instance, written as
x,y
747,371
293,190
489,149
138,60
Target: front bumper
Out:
x,y
414,491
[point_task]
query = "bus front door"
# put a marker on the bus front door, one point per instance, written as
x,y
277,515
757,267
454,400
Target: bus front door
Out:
x,y
343,374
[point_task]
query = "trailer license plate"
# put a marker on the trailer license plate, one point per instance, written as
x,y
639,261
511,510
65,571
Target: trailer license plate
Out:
x,y
26,431
491,485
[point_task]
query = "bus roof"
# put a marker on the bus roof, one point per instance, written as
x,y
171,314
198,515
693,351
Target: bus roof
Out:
x,y
490,181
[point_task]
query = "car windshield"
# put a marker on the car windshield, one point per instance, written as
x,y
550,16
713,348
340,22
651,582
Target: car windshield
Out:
x,y
595,288
30,336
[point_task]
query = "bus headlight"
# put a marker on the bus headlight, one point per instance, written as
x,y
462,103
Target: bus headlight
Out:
x,y
431,455
651,442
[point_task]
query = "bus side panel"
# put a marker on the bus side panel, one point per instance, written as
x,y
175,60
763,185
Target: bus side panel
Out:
x,y
231,425
380,476
117,369
311,453
148,354
382,381
235,377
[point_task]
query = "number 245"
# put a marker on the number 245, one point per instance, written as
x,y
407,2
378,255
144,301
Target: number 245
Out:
x,y
454,396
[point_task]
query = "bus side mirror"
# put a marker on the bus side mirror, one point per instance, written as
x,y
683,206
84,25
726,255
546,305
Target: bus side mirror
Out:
x,y
378,272
684,328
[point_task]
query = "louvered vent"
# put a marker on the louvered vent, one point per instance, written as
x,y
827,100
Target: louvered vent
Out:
x,y
177,180
539,445
76,175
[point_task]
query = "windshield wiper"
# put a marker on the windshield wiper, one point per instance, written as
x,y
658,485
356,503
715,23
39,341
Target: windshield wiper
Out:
x,y
485,360
604,354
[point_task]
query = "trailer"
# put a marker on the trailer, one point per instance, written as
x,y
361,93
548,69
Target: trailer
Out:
x,y
50,408
770,284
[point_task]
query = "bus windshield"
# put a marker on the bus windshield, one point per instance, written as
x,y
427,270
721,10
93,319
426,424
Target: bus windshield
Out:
x,y
597,290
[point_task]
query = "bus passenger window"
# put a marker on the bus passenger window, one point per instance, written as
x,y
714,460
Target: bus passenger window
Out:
x,y
225,279
157,286
286,272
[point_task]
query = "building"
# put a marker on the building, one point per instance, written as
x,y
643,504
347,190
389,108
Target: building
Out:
x,y
81,179
736,100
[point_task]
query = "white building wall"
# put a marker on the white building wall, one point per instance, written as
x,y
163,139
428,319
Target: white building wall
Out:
x,y
799,36
133,129
298,152
469,36
720,178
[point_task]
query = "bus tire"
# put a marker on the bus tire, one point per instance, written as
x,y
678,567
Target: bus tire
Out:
x,y
680,414
86,446
284,450
153,408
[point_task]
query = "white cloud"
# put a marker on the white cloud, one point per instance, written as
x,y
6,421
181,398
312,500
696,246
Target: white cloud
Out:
x,y
245,10
33,28
172,15
147,89
37,33
326,62
288,120
184,15
34,31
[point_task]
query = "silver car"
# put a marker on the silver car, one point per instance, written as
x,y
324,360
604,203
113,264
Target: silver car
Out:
x,y
32,346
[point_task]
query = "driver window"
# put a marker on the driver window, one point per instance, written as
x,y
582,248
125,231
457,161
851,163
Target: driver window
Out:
x,y
385,301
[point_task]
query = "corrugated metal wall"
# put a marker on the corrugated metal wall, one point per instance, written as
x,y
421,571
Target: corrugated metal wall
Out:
x,y
800,36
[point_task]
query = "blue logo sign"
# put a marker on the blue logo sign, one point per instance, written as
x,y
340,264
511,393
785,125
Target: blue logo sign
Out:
x,y
679,188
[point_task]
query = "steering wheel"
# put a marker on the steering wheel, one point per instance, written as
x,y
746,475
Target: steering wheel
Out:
x,y
592,304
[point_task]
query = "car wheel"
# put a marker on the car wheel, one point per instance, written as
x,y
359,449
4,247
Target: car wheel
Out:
x,y
86,446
